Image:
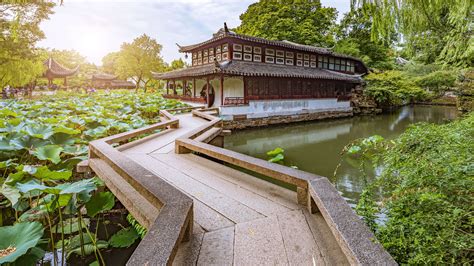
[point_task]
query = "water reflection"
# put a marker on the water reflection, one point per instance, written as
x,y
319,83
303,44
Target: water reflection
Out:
x,y
315,146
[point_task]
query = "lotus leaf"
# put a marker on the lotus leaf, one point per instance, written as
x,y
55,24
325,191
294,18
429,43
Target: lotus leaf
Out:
x,y
66,130
49,152
20,237
39,131
45,174
102,201
276,151
28,142
71,226
124,238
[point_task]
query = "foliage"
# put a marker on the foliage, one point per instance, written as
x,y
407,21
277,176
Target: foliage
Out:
x,y
393,88
141,231
176,64
438,81
19,33
41,141
124,238
138,59
19,238
427,193
276,155
353,38
300,21
102,201
434,31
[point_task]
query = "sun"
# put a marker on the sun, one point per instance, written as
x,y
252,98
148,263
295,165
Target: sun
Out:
x,y
93,45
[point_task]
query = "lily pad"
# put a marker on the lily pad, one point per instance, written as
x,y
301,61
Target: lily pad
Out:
x,y
124,238
102,201
19,238
49,152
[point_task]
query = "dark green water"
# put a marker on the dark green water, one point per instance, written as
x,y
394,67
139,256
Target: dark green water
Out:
x,y
316,146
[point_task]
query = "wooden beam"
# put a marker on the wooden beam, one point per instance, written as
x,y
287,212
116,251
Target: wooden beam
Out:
x,y
222,90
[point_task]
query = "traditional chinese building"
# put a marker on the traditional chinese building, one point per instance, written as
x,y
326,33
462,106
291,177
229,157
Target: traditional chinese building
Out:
x,y
108,81
55,70
250,77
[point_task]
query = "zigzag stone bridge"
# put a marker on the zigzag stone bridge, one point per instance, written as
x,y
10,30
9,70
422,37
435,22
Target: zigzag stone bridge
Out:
x,y
200,209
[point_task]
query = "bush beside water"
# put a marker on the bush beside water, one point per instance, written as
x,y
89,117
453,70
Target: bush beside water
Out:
x,y
428,192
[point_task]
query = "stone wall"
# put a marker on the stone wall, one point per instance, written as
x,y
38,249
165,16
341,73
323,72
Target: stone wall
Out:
x,y
241,122
362,104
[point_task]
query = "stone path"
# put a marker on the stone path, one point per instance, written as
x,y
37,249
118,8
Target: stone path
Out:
x,y
238,218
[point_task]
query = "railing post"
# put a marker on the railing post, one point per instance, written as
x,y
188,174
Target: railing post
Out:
x,y
302,195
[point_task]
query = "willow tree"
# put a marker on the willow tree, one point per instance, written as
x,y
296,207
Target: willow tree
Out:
x,y
434,30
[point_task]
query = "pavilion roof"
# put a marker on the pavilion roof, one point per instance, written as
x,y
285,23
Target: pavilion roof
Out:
x,y
103,76
56,70
244,68
121,84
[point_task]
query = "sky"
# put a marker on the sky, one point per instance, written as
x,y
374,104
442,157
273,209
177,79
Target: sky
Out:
x,y
95,28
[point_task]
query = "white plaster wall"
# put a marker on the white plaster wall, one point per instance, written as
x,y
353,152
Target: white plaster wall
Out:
x,y
266,108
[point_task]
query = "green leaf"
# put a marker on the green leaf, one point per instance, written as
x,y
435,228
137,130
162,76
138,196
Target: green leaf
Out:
x,y
66,130
49,152
124,238
81,186
71,226
276,151
39,131
44,173
102,201
95,263
21,237
11,193
354,149
31,257
6,146
279,157
27,142
88,248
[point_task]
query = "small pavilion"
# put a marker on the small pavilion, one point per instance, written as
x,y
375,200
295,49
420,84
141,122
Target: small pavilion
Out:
x,y
104,80
55,70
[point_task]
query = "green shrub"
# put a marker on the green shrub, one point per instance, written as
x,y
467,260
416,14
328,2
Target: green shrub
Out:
x,y
393,88
438,81
427,197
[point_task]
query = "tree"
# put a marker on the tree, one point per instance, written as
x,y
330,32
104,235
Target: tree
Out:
x,y
176,64
138,59
434,31
19,33
300,21
109,61
353,38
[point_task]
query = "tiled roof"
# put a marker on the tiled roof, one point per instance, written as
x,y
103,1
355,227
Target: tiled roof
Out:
x,y
103,76
243,68
122,84
54,69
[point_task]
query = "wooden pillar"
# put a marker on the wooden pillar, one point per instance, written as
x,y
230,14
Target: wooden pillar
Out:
x,y
194,87
222,90
245,90
167,87
65,81
207,91
184,87
174,87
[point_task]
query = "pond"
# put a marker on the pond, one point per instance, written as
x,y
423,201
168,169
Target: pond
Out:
x,y
315,147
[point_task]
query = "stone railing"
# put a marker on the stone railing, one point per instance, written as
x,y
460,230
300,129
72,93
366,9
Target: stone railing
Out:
x,y
316,192
165,211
